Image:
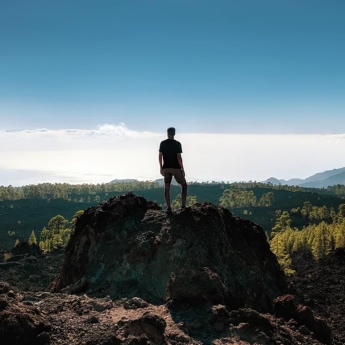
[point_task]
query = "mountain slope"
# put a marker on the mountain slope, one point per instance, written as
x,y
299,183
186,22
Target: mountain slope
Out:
x,y
329,181
324,175
318,180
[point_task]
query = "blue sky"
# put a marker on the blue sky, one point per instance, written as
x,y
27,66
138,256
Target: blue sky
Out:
x,y
220,66
230,67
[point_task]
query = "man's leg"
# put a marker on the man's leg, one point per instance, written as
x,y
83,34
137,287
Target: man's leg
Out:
x,y
167,195
167,183
184,194
179,177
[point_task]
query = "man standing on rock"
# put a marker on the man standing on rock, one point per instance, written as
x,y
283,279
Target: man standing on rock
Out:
x,y
170,161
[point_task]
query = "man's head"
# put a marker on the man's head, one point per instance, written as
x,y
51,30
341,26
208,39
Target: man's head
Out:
x,y
171,132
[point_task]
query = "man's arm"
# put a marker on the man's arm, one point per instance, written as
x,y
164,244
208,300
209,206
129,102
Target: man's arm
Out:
x,y
180,161
160,159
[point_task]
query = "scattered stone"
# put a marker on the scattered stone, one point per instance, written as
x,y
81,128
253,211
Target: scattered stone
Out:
x,y
135,303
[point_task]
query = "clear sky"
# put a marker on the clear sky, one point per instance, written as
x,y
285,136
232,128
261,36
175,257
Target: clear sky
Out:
x,y
257,71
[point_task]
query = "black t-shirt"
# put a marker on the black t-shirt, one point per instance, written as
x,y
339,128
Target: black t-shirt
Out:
x,y
170,148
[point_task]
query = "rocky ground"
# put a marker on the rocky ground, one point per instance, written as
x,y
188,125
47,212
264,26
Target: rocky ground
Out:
x,y
311,313
321,285
48,318
30,315
31,270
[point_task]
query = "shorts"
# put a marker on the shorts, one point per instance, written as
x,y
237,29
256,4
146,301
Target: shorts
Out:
x,y
177,173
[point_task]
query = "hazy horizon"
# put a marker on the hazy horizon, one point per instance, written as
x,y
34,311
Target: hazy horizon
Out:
x,y
111,152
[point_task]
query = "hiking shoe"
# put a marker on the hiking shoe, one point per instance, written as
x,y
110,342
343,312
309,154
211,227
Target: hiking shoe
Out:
x,y
169,210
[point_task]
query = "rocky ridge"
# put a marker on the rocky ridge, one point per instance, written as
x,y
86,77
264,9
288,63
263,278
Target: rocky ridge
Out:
x,y
128,247
134,275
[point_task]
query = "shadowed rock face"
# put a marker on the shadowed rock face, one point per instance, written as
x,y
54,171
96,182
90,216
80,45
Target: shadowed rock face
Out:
x,y
128,247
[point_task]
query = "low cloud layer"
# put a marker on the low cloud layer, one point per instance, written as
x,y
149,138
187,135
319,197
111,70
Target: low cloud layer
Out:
x,y
114,152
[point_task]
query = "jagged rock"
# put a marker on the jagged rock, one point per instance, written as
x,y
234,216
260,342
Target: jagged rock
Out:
x,y
20,323
4,287
320,285
256,328
135,303
128,247
195,285
148,325
288,308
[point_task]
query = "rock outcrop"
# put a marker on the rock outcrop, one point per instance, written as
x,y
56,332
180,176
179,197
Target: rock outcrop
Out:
x,y
128,247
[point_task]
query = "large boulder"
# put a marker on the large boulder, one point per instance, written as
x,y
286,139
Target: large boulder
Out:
x,y
127,247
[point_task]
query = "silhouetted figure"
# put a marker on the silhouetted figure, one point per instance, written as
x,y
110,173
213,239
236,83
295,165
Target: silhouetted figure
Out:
x,y
171,164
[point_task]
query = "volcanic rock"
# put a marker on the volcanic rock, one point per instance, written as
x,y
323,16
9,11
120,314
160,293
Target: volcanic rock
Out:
x,y
20,323
55,319
128,247
133,274
320,285
288,308
32,270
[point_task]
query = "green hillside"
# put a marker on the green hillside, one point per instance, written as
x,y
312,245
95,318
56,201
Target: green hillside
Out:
x,y
28,208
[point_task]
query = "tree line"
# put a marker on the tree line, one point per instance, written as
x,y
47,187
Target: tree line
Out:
x,y
307,228
324,233
244,198
322,230
71,191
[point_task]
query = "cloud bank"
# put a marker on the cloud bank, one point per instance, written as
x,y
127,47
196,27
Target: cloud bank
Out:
x,y
114,152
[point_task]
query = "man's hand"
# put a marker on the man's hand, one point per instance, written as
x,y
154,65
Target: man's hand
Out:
x,y
183,173
162,171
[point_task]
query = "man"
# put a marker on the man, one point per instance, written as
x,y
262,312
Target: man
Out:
x,y
170,161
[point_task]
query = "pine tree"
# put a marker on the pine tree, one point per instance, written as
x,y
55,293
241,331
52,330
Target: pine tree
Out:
x,y
278,248
237,198
321,245
283,221
45,233
57,223
177,202
267,199
32,238
57,241
339,235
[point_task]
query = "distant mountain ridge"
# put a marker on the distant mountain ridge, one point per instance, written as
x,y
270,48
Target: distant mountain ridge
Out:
x,y
318,180
124,180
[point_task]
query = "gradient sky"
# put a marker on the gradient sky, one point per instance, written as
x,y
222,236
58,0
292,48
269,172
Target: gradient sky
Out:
x,y
263,67
219,66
